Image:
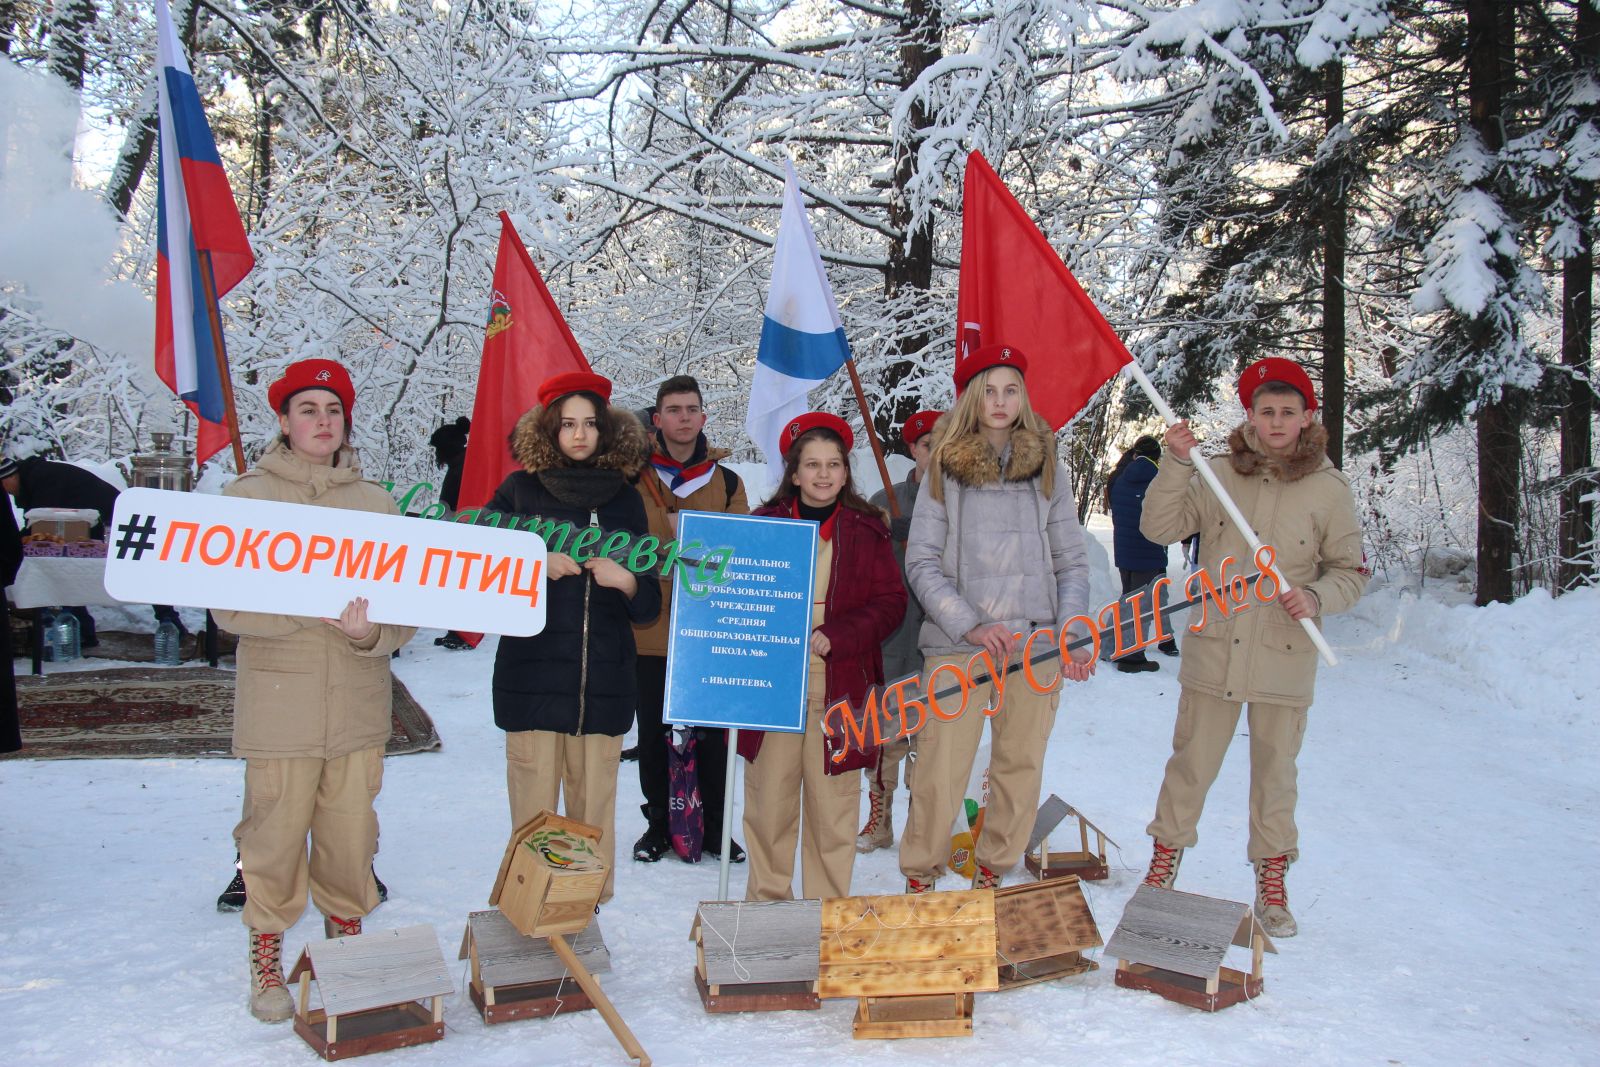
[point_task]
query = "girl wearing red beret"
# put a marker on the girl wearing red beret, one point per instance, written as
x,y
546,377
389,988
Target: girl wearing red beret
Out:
x,y
312,702
857,601
995,553
566,695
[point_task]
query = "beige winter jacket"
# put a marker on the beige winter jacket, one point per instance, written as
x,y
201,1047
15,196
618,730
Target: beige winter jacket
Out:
x,y
1301,507
304,688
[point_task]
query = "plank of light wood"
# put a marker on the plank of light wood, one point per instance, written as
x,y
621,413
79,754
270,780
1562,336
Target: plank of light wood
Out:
x,y
602,1003
1182,932
507,957
902,945
1035,920
760,941
378,968
909,979
969,907
1051,812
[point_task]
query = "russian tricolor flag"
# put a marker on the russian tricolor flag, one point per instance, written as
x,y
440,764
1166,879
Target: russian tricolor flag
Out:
x,y
195,214
802,337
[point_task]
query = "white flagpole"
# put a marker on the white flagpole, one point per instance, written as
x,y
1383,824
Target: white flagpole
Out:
x,y
1210,477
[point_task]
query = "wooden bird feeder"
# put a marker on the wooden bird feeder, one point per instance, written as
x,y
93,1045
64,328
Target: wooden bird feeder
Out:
x,y
1173,944
1042,930
372,987
1086,863
549,884
913,962
518,977
551,876
757,955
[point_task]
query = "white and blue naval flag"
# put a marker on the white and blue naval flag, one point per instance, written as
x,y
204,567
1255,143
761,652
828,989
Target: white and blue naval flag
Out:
x,y
802,338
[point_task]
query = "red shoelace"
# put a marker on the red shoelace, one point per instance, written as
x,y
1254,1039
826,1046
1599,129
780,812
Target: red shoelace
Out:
x,y
1162,865
346,927
267,950
1270,881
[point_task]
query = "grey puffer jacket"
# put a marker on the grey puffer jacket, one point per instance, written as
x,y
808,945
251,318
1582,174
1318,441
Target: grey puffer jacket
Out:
x,y
995,549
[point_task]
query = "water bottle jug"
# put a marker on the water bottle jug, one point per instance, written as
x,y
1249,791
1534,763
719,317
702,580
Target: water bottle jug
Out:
x,y
64,637
168,644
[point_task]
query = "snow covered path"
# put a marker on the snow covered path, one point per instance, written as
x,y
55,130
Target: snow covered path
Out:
x,y
1445,897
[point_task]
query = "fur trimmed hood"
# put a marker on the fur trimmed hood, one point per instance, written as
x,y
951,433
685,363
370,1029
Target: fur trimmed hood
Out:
x,y
1310,453
629,452
972,462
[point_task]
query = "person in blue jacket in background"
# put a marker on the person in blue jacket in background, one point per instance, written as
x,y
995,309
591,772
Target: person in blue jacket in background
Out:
x,y
1139,559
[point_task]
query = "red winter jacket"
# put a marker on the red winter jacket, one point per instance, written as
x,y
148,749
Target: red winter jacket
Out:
x,y
866,601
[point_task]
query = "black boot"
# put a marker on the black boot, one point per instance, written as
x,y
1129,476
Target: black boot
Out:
x,y
713,848
232,898
656,841
1136,666
630,754
383,890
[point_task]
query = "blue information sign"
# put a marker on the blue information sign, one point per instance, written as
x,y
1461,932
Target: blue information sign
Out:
x,y
739,650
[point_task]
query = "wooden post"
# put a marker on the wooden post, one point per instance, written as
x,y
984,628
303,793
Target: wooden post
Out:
x,y
872,439
229,414
587,983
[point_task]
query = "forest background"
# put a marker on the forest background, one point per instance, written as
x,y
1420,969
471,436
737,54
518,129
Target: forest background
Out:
x,y
1400,195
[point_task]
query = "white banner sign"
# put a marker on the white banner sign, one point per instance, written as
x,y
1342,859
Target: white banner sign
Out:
x,y
297,559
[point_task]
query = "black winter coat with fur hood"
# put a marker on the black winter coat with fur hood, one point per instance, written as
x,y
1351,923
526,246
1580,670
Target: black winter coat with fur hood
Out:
x,y
576,675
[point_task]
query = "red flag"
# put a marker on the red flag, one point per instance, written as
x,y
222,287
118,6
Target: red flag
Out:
x,y
525,341
1015,290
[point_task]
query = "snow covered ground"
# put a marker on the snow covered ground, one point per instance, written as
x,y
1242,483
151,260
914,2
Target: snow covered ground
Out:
x,y
1445,895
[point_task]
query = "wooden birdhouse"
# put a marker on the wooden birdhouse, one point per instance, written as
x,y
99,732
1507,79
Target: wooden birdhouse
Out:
x,y
1042,930
912,962
1086,863
1174,943
551,876
518,977
757,955
381,990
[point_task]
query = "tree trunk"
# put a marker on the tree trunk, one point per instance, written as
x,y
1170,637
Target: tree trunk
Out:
x,y
1499,432
140,140
1577,322
8,25
1333,247
911,250
69,31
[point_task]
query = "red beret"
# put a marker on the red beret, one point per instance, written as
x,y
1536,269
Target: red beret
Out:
x,y
918,426
988,356
815,420
313,374
1274,369
574,381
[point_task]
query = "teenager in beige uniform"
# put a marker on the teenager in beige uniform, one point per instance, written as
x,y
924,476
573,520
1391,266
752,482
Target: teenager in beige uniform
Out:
x,y
1277,471
995,553
857,599
312,702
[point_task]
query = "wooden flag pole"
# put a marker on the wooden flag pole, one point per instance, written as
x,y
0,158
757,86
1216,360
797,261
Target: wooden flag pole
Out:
x,y
872,438
229,414
1210,478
